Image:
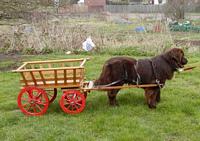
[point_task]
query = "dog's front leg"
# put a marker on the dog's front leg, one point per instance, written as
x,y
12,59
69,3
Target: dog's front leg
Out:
x,y
151,96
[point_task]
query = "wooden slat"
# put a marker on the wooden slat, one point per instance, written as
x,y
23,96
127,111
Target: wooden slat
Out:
x,y
71,85
60,72
83,62
82,73
32,66
42,77
55,61
53,79
56,77
22,66
49,69
63,65
74,75
65,76
27,75
49,65
33,78
24,79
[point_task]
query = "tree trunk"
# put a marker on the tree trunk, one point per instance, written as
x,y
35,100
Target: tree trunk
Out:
x,y
182,9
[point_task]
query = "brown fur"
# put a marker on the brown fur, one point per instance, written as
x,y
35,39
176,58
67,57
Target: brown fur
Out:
x,y
123,68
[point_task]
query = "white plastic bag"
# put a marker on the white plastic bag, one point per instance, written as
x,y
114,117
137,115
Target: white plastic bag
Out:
x,y
88,45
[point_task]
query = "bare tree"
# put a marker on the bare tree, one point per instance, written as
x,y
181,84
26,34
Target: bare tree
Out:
x,y
175,9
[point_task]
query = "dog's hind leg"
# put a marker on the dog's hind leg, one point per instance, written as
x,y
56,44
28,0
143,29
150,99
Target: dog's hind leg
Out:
x,y
112,97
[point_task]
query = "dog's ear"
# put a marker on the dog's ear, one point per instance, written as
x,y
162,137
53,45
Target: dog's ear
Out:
x,y
174,57
175,54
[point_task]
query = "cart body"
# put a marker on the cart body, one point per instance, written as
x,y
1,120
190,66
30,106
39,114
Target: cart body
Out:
x,y
40,77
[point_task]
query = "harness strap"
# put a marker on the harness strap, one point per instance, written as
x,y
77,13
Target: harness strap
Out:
x,y
138,81
160,85
110,84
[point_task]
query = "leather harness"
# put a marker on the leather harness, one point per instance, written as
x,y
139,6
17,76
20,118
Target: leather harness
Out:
x,y
160,85
138,79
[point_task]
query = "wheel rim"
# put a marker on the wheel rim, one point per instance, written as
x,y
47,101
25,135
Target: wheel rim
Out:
x,y
72,102
52,94
33,101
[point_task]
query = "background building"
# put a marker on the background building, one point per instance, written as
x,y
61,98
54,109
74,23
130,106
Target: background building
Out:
x,y
95,5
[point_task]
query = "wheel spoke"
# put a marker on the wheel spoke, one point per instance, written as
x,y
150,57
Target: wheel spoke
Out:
x,y
75,106
74,96
29,107
68,97
24,99
41,103
66,102
38,107
78,100
79,104
25,105
39,95
68,106
30,93
34,109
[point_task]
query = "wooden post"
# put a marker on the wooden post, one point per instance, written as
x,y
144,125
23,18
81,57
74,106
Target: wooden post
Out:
x,y
42,77
56,77
74,76
33,78
65,78
22,74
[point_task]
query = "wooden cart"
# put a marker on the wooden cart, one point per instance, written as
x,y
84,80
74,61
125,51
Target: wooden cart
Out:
x,y
41,79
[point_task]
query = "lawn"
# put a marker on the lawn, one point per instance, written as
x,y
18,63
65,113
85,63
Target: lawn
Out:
x,y
176,118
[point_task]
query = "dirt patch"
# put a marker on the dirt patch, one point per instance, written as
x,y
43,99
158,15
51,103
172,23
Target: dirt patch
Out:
x,y
4,57
187,42
14,62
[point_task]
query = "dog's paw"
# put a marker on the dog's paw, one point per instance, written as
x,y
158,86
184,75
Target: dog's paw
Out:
x,y
113,104
152,106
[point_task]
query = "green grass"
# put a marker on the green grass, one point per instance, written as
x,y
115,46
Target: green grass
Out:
x,y
177,117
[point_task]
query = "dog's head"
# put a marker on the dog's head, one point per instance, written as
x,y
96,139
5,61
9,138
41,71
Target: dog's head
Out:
x,y
176,58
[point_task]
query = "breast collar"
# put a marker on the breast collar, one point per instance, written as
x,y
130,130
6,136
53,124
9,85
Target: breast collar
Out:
x,y
155,74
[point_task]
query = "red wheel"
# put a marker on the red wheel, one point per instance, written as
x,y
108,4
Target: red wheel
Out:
x,y
52,94
72,102
33,101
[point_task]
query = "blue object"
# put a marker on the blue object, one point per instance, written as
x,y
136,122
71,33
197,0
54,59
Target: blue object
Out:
x,y
140,29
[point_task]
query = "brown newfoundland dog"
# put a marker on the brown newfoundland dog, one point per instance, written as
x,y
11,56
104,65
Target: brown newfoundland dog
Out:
x,y
118,71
